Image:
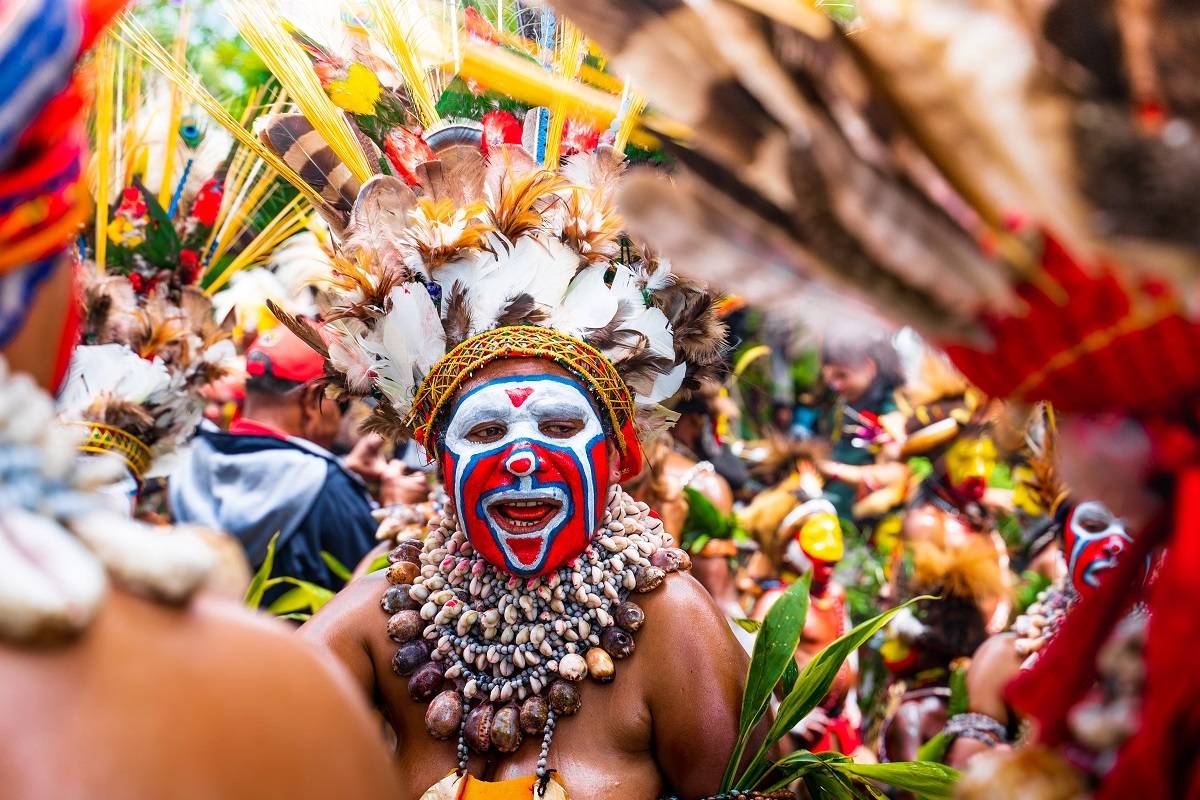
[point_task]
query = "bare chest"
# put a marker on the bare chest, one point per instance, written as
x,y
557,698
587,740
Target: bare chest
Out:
x,y
603,751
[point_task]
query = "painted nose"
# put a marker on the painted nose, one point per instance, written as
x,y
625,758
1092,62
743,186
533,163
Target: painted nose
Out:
x,y
1114,546
521,463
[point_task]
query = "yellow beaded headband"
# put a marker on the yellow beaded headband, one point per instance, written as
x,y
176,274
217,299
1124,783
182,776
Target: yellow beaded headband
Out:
x,y
103,439
521,341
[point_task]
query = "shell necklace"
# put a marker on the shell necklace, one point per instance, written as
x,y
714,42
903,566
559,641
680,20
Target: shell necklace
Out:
x,y
1042,619
498,657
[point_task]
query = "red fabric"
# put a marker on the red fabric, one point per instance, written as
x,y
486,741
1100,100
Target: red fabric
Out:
x,y
252,427
840,737
1160,759
1132,343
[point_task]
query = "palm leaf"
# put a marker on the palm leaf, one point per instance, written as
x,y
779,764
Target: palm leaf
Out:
x,y
258,584
813,685
774,649
336,567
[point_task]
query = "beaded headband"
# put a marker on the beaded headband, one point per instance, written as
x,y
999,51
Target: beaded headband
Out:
x,y
103,439
520,341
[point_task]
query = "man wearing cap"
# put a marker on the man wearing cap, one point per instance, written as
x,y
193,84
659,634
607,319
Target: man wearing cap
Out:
x,y
272,472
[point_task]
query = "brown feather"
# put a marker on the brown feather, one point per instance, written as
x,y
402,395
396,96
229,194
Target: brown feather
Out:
x,y
302,329
457,319
521,310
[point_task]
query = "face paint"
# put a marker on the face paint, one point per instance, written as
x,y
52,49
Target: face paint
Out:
x,y
821,537
526,464
969,465
1093,540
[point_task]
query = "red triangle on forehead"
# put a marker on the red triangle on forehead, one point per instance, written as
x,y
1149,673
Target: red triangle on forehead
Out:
x,y
519,396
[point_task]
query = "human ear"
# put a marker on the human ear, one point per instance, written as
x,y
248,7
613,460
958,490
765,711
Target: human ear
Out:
x,y
614,464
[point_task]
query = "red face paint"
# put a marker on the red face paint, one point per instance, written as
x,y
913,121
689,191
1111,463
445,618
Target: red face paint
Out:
x,y
526,464
1093,540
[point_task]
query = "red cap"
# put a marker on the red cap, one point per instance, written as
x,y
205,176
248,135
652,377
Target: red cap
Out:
x,y
281,354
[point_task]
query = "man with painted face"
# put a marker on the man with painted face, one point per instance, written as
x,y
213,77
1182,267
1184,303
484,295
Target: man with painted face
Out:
x,y
530,470
949,508
1092,542
812,537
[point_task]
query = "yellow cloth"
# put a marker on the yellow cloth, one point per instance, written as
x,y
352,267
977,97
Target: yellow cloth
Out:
x,y
470,788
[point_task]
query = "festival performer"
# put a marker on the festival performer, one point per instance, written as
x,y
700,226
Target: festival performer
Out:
x,y
114,672
812,539
948,508
1093,540
864,426
926,644
498,326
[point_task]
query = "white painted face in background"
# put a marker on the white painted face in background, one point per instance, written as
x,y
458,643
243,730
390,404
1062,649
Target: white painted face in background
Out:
x,y
526,464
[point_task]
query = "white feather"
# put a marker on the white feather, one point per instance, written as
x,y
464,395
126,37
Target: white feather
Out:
x,y
665,386
408,341
110,369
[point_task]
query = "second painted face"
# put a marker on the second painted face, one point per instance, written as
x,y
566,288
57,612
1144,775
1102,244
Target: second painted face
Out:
x,y
526,463
1093,540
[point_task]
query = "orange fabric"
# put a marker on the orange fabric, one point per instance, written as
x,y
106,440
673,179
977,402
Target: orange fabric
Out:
x,y
514,789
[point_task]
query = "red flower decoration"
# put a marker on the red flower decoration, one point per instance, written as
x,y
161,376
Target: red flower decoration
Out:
x,y
499,127
208,203
578,138
406,151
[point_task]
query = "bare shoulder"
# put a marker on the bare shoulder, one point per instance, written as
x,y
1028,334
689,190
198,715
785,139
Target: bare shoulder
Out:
x,y
679,596
151,669
683,623
354,611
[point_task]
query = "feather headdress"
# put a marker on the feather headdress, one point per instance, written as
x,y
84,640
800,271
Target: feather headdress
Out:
x,y
428,289
455,244
178,211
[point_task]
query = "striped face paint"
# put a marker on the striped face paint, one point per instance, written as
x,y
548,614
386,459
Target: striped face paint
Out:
x,y
526,464
1093,540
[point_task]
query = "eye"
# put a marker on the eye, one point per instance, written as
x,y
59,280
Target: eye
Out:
x,y
561,428
486,432
1094,524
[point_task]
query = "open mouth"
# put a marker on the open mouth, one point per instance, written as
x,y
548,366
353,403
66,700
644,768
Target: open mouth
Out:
x,y
524,512
1094,571
524,516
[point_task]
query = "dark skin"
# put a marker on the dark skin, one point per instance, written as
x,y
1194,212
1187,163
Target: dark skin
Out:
x,y
303,412
993,666
634,738
185,703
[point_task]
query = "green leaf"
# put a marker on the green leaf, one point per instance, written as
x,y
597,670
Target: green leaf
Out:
x,y
813,685
748,625
827,785
697,544
959,700
296,599
258,584
935,749
336,567
297,617
925,778
774,649
790,676
317,596
702,517
380,562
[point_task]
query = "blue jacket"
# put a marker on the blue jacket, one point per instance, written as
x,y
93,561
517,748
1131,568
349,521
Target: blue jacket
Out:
x,y
255,486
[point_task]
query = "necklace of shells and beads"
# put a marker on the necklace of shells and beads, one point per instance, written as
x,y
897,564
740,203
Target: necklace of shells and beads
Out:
x,y
498,657
1043,617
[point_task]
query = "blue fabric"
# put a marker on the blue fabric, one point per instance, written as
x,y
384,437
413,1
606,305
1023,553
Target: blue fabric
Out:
x,y
255,486
36,59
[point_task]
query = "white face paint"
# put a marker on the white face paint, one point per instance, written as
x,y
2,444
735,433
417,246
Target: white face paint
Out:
x,y
526,462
